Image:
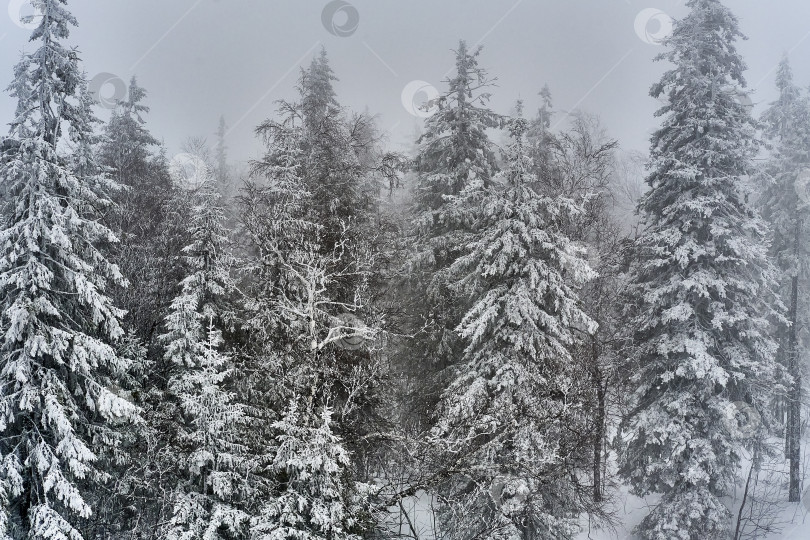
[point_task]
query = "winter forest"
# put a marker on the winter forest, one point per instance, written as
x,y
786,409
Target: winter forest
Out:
x,y
512,329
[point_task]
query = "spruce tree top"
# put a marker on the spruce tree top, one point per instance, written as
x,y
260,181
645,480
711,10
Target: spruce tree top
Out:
x,y
319,100
707,132
455,150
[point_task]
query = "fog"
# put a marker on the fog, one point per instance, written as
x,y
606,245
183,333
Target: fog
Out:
x,y
200,59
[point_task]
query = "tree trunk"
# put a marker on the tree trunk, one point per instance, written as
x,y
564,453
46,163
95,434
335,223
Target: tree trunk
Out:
x,y
738,530
794,395
599,432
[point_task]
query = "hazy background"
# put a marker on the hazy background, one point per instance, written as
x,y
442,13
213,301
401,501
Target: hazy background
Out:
x,y
200,59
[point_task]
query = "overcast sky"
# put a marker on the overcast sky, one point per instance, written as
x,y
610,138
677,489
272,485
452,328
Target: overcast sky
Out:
x,y
200,59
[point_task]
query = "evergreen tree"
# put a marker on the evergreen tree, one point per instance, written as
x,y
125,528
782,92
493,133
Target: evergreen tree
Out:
x,y
787,125
127,150
316,500
221,152
454,153
505,415
455,150
334,172
318,98
147,249
542,142
225,174
212,457
305,297
703,288
311,215
151,221
58,363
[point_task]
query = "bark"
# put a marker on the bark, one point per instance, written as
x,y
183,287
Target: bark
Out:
x,y
738,531
794,395
599,433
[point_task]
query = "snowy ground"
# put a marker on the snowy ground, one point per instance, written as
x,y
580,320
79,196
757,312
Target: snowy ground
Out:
x,y
769,518
789,522
766,516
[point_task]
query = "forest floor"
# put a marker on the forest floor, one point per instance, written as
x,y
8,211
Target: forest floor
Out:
x,y
766,513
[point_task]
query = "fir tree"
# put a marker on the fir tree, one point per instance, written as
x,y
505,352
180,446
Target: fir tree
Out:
x,y
320,172
57,356
455,150
542,142
787,125
703,288
315,501
505,415
318,98
223,170
221,152
147,246
297,311
212,459
334,172
454,154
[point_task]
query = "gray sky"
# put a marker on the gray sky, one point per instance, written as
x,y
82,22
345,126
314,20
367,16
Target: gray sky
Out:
x,y
202,58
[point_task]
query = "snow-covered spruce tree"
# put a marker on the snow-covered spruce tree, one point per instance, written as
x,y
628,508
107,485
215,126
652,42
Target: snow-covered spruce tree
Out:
x,y
703,288
211,455
578,163
542,141
505,416
454,152
149,256
338,173
315,500
223,172
318,96
785,207
57,356
128,149
221,152
334,175
454,149
146,252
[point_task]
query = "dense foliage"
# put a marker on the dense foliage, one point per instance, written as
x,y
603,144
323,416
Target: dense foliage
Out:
x,y
347,342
